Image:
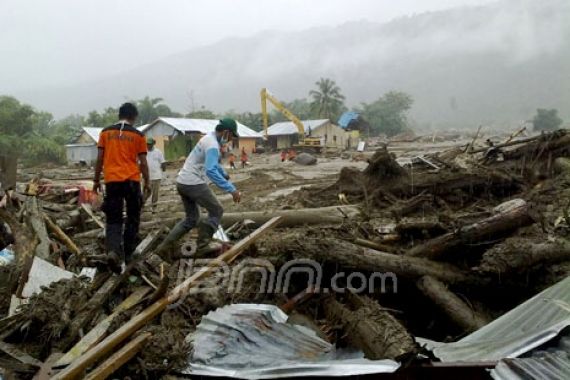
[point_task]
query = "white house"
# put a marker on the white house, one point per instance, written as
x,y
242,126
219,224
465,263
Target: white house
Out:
x,y
84,146
176,136
285,134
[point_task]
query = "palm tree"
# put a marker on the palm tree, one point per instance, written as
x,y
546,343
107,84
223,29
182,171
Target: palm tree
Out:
x,y
327,102
151,108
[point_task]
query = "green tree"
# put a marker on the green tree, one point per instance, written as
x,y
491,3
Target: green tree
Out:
x,y
202,113
16,119
388,113
27,133
64,130
546,120
250,119
300,108
328,102
151,109
104,119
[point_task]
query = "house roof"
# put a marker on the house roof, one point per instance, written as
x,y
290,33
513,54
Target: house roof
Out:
x,y
93,132
288,128
200,125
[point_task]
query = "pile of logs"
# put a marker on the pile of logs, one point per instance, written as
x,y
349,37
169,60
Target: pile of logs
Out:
x,y
453,247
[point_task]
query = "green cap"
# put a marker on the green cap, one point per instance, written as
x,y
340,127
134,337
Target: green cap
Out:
x,y
150,141
228,124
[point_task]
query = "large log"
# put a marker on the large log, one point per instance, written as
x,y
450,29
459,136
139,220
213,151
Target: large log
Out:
x,y
508,219
377,333
135,323
457,310
519,253
34,217
368,260
290,218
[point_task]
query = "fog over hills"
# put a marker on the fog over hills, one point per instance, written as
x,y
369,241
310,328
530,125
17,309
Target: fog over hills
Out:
x,y
488,64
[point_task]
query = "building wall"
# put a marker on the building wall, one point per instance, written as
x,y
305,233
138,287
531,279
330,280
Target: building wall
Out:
x,y
84,138
352,138
334,136
161,133
87,153
248,143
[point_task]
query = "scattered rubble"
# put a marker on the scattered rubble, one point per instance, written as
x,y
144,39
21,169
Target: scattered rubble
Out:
x,y
453,239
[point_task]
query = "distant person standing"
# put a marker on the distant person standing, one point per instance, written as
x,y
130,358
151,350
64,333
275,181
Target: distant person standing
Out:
x,y
232,161
156,166
122,159
291,154
244,158
283,155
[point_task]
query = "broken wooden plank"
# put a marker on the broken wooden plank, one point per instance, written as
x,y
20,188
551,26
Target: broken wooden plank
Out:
x,y
135,323
453,306
62,236
119,358
96,333
19,355
87,208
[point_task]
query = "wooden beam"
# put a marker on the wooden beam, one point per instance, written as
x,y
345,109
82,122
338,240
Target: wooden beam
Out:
x,y
87,208
62,236
119,358
94,336
122,333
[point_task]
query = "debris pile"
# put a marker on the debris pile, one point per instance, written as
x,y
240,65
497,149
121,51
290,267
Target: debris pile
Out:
x,y
437,248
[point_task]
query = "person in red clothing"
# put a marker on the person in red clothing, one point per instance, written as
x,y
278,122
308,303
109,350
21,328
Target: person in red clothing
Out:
x,y
232,161
283,155
292,154
122,159
244,158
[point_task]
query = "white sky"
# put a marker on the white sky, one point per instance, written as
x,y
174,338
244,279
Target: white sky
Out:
x,y
58,42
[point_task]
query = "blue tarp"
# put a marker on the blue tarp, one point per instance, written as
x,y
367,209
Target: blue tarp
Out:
x,y
346,118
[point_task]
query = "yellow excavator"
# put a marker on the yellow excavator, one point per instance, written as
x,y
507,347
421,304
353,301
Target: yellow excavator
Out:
x,y
305,142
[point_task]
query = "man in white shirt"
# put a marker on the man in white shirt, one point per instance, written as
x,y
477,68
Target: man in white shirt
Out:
x,y
156,165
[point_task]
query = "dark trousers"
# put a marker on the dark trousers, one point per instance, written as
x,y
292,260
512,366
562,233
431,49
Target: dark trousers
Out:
x,y
116,195
199,195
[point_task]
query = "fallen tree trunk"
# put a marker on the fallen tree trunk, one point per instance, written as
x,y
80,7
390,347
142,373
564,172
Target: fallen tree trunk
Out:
x,y
377,333
491,228
457,310
354,257
518,253
290,218
34,217
299,217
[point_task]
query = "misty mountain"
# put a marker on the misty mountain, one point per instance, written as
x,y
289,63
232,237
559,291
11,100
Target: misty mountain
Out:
x,y
488,64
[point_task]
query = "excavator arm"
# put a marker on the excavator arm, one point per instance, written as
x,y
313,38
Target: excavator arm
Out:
x,y
266,96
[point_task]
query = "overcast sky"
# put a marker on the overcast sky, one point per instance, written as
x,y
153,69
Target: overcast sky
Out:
x,y
59,42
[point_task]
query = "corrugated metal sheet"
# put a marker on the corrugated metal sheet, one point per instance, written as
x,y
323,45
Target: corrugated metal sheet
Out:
x,y
288,128
522,329
203,126
252,341
552,362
